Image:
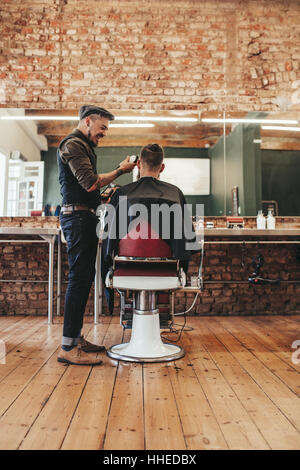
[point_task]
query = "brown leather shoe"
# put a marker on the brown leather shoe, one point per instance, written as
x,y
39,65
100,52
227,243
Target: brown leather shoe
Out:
x,y
78,357
88,347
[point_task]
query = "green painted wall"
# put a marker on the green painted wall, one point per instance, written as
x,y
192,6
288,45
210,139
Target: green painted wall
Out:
x,y
281,180
252,169
216,154
243,168
234,167
240,168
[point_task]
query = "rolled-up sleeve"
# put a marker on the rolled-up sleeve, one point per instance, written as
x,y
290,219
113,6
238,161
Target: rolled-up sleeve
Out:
x,y
74,154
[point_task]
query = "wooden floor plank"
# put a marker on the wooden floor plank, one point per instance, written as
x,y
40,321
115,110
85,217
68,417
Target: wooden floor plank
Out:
x,y
20,416
15,334
280,395
276,341
88,426
15,349
273,426
284,328
292,319
238,428
287,374
162,423
30,403
12,321
286,400
290,323
125,429
281,330
49,429
200,427
36,353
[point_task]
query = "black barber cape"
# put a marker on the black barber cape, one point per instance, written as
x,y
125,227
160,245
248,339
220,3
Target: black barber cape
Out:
x,y
146,191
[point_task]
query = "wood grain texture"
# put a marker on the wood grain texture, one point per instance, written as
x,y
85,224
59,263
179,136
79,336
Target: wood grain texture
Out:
x,y
236,388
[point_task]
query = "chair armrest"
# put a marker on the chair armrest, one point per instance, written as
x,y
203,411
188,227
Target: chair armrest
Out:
x,y
109,279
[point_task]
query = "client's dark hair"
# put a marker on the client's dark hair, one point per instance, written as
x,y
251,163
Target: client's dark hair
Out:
x,y
152,155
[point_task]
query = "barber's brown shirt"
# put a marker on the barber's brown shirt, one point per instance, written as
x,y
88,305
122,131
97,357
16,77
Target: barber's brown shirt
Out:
x,y
75,153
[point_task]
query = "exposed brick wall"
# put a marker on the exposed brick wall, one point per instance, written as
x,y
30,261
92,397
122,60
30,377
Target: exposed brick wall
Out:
x,y
149,54
226,290
27,262
233,295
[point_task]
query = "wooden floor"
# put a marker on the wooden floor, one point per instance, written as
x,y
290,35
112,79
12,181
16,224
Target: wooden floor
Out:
x,y
236,388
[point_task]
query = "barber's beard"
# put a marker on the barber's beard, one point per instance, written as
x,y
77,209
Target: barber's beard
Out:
x,y
90,140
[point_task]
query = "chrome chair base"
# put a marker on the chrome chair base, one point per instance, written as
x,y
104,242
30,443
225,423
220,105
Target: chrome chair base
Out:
x,y
117,352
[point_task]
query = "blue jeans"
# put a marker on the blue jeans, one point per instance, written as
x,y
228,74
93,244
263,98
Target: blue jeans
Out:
x,y
79,229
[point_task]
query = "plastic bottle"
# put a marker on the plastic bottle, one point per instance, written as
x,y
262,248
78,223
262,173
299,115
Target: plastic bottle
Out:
x,y
270,220
260,221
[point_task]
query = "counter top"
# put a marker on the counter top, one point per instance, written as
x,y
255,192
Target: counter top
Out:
x,y
28,231
208,232
247,232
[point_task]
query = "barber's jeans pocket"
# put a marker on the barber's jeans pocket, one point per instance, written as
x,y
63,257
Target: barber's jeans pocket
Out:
x,y
79,228
72,228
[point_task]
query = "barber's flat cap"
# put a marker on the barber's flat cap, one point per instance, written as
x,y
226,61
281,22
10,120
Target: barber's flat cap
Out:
x,y
87,110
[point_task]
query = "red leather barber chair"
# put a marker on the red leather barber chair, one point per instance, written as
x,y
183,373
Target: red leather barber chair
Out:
x,y
145,266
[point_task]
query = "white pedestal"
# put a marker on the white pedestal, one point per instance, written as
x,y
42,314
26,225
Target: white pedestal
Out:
x,y
145,344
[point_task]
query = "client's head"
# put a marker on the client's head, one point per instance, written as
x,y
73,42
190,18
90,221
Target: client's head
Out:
x,y
151,160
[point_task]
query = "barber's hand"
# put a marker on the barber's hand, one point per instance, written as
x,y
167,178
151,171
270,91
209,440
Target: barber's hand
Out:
x,y
126,166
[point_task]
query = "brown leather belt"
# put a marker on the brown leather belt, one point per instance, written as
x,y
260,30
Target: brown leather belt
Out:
x,y
75,207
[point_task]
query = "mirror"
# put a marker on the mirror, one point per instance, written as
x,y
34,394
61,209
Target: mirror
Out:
x,y
262,161
252,165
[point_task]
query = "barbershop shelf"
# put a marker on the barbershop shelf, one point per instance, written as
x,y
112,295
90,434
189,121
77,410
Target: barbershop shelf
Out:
x,y
245,232
47,235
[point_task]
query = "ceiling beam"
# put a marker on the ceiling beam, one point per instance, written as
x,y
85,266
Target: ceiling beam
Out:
x,y
172,134
65,127
129,141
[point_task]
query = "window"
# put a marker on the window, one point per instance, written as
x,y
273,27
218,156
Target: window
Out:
x,y
3,183
25,188
14,172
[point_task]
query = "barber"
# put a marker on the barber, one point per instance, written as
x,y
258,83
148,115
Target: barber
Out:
x,y
80,184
